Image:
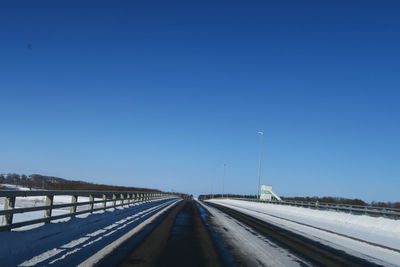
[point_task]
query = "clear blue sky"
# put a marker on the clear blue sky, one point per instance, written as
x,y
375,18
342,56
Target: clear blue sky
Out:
x,y
161,94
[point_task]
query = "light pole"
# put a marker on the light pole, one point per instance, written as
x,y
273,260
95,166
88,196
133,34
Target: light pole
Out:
x,y
259,164
223,180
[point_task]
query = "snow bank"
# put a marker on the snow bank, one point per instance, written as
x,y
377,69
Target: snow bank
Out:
x,y
374,229
319,225
258,250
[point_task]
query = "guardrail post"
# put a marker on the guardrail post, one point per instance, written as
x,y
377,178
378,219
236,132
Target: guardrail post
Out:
x,y
114,196
74,200
9,204
91,205
105,201
122,199
49,203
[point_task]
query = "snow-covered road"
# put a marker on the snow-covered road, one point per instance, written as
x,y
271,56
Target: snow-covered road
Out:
x,y
320,225
80,240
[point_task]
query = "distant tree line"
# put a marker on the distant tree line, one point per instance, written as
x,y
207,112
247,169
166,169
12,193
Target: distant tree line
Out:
x,y
37,181
335,200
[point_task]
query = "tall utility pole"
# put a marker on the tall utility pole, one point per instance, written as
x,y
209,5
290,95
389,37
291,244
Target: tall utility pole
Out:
x,y
259,164
223,180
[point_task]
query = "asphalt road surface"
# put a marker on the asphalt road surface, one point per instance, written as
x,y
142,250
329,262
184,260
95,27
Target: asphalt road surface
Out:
x,y
189,235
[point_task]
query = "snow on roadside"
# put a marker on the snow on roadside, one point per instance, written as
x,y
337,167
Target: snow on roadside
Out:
x,y
382,231
258,251
379,230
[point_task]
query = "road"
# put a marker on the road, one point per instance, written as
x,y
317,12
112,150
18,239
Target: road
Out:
x,y
169,232
199,234
180,240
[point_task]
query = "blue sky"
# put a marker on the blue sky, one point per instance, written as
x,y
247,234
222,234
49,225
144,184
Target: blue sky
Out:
x,y
161,94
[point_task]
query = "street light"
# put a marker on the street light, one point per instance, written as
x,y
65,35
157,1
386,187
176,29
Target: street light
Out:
x,y
223,180
259,164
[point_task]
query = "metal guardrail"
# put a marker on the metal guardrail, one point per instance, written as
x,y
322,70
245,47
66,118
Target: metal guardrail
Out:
x,y
123,197
353,209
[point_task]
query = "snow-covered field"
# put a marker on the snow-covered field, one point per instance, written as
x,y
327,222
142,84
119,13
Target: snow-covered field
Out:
x,y
78,241
320,225
14,187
